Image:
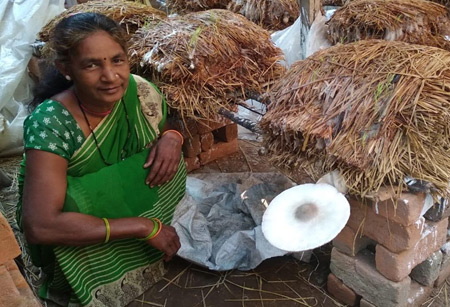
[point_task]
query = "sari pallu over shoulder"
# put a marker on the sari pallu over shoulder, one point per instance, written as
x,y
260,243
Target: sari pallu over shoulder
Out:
x,y
134,123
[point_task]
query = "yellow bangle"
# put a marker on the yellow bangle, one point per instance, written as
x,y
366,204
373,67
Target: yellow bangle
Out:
x,y
159,230
179,134
157,225
108,230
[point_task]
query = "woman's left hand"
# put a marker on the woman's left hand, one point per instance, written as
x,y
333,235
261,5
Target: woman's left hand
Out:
x,y
163,159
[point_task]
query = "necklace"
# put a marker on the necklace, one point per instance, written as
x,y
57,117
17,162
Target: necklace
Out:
x,y
94,113
122,153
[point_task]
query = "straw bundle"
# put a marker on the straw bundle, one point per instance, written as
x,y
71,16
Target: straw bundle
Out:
x,y
206,60
375,110
443,2
187,6
342,2
130,15
270,14
413,21
334,2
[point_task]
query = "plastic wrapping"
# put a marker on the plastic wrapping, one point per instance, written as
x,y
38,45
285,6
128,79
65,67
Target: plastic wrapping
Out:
x,y
317,36
219,219
21,21
289,41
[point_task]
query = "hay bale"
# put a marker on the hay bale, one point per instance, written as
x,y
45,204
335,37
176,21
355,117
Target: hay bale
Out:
x,y
375,110
413,21
269,14
206,60
334,2
189,6
130,15
342,2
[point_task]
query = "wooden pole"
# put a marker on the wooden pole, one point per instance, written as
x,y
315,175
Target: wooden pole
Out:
x,y
308,11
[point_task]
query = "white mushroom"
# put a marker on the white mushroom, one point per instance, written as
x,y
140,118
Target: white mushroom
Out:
x,y
305,217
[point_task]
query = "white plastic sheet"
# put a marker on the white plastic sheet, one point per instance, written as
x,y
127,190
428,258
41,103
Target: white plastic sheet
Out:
x,y
20,22
289,41
317,36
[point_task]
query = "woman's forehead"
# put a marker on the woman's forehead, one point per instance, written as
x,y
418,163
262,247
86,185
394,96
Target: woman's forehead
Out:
x,y
98,45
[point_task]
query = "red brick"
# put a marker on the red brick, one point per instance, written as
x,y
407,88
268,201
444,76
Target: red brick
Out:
x,y
205,126
219,150
187,127
394,236
207,141
192,163
396,266
16,276
192,147
9,295
341,292
227,133
26,295
350,243
405,208
9,247
418,294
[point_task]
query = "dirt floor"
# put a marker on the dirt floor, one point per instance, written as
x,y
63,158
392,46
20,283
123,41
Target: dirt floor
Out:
x,y
281,281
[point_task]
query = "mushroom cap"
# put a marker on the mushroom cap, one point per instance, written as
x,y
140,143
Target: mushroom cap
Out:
x,y
305,217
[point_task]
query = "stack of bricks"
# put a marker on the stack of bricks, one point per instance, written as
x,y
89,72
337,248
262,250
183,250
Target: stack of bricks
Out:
x,y
207,140
14,290
390,254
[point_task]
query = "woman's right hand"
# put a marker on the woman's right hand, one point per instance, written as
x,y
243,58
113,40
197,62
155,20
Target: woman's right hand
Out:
x,y
166,241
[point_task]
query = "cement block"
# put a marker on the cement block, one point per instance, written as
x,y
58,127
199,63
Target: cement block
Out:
x,y
427,272
359,273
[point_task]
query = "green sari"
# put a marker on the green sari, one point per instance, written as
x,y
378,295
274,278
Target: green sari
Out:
x,y
115,273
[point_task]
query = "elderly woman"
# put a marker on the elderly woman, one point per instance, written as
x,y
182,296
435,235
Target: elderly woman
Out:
x,y
101,174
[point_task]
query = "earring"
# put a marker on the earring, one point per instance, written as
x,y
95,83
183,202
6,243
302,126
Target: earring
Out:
x,y
68,78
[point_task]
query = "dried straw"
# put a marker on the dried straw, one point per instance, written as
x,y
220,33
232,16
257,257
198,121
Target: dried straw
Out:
x,y
443,2
269,14
334,2
206,60
375,110
188,6
342,2
413,21
131,15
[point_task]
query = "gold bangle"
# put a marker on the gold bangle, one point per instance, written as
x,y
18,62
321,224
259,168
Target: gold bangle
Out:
x,y
179,134
108,230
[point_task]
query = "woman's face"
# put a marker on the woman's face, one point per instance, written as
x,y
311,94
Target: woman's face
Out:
x,y
99,69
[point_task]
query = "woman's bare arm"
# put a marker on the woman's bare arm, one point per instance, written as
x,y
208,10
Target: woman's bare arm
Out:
x,y
43,199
